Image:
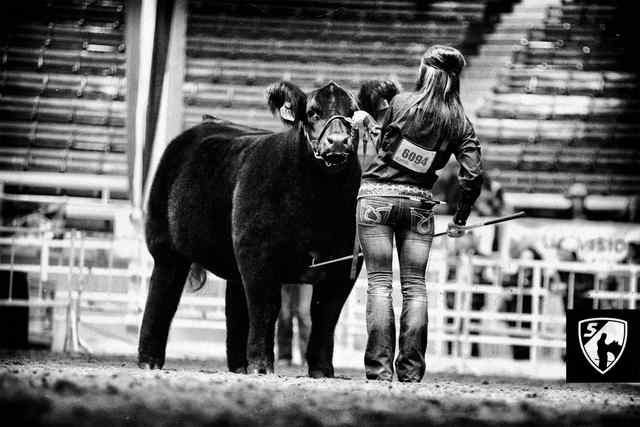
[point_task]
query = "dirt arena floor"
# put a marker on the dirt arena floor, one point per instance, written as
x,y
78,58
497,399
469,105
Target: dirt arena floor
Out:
x,y
38,388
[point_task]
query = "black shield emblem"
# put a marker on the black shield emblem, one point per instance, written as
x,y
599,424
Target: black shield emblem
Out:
x,y
602,340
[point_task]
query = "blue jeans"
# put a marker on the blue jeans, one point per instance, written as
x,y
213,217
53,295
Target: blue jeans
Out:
x,y
296,302
412,223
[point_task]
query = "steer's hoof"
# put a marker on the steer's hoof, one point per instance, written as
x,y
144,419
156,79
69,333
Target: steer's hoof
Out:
x,y
241,370
146,366
259,369
321,373
150,362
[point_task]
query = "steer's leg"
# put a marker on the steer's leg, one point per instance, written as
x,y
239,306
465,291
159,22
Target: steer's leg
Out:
x,y
237,327
263,299
328,298
165,288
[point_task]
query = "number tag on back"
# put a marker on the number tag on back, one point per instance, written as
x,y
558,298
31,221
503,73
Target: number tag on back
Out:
x,y
413,157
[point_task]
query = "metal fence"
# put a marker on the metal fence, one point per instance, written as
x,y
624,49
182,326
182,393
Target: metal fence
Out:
x,y
64,268
479,308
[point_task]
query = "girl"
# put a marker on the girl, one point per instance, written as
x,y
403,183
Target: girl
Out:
x,y
419,132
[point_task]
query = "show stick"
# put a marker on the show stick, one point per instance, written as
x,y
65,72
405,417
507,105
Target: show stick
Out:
x,y
444,233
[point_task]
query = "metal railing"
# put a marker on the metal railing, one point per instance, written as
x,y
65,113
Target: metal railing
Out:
x,y
490,308
63,264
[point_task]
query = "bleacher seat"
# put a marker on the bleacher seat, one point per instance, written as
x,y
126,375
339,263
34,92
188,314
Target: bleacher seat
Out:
x,y
63,136
568,82
574,107
53,85
352,10
93,162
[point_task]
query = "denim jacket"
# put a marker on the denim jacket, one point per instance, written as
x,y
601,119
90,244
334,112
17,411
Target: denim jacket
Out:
x,y
466,150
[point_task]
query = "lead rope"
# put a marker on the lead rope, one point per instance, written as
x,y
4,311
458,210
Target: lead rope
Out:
x,y
369,131
356,252
355,135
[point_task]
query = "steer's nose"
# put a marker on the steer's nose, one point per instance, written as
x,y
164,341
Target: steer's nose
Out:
x,y
337,140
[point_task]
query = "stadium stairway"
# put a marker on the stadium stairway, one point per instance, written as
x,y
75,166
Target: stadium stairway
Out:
x,y
561,108
479,78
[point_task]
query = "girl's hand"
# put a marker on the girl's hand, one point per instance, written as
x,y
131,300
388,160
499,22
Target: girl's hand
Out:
x,y
454,230
365,127
361,119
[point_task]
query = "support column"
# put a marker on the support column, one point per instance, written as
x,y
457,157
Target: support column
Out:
x,y
141,19
132,35
170,115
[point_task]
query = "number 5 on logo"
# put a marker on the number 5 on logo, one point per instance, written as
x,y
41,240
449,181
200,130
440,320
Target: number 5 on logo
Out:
x,y
592,328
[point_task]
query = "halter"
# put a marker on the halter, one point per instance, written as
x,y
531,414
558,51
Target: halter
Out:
x,y
315,142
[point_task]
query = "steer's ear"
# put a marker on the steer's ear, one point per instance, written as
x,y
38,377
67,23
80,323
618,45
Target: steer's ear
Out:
x,y
374,96
288,101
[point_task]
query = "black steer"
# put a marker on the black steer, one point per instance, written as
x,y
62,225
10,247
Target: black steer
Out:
x,y
253,207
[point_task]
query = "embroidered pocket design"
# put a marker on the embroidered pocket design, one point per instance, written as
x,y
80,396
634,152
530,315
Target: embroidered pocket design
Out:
x,y
422,221
374,212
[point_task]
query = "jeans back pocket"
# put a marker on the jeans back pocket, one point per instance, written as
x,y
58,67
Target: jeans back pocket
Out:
x,y
422,221
373,211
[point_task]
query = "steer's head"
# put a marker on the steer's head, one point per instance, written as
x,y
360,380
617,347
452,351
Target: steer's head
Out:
x,y
324,116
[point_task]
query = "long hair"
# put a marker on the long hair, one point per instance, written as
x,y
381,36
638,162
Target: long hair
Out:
x,y
439,84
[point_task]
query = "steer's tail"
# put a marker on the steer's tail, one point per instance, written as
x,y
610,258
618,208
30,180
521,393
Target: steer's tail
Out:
x,y
197,277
